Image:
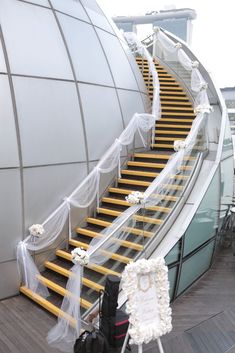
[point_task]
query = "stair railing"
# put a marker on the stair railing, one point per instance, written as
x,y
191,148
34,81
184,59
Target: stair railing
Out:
x,y
111,238
44,235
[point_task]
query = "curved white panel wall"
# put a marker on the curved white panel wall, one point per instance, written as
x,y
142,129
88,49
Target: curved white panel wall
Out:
x,y
65,76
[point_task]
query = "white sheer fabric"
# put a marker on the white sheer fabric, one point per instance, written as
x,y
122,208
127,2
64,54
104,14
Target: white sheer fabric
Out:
x,y
63,335
67,330
81,197
136,45
198,83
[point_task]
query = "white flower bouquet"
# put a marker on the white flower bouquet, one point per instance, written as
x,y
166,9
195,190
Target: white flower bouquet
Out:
x,y
178,45
135,198
80,256
36,230
179,145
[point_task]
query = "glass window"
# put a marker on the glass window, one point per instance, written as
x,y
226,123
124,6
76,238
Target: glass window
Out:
x,y
174,254
120,66
87,55
96,15
172,277
33,41
71,7
204,223
226,186
228,142
195,266
103,121
50,121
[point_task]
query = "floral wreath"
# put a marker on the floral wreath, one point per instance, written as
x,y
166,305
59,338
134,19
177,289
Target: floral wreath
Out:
x,y
139,331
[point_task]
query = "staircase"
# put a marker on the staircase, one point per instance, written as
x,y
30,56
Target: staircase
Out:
x,y
175,123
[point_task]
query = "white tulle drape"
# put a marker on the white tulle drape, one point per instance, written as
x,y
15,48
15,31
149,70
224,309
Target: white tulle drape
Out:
x,y
63,335
198,84
139,48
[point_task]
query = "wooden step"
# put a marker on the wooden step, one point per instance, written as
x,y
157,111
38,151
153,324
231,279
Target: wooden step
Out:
x,y
100,269
125,203
149,174
53,309
170,88
157,138
174,120
170,132
174,126
163,145
134,231
175,92
85,246
178,114
178,98
105,224
127,192
66,273
178,104
62,291
154,165
146,165
160,156
164,108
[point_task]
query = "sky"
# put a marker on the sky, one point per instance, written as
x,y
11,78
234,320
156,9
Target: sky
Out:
x,y
213,37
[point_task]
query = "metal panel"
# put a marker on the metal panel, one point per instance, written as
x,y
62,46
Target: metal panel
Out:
x,y
120,66
134,66
8,142
70,7
11,213
131,103
33,40
9,284
96,15
50,122
39,2
45,188
86,52
103,121
2,60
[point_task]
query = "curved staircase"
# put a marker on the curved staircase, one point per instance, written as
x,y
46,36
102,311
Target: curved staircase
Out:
x,y
175,123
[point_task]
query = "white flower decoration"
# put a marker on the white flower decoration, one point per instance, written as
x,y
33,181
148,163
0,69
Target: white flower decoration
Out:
x,y
179,145
80,256
203,108
36,230
139,331
178,45
195,64
157,29
204,85
135,197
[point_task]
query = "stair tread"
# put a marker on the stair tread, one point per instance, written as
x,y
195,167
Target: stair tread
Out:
x,y
64,272
127,192
114,256
138,218
149,174
125,203
170,132
53,309
62,291
175,120
100,269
